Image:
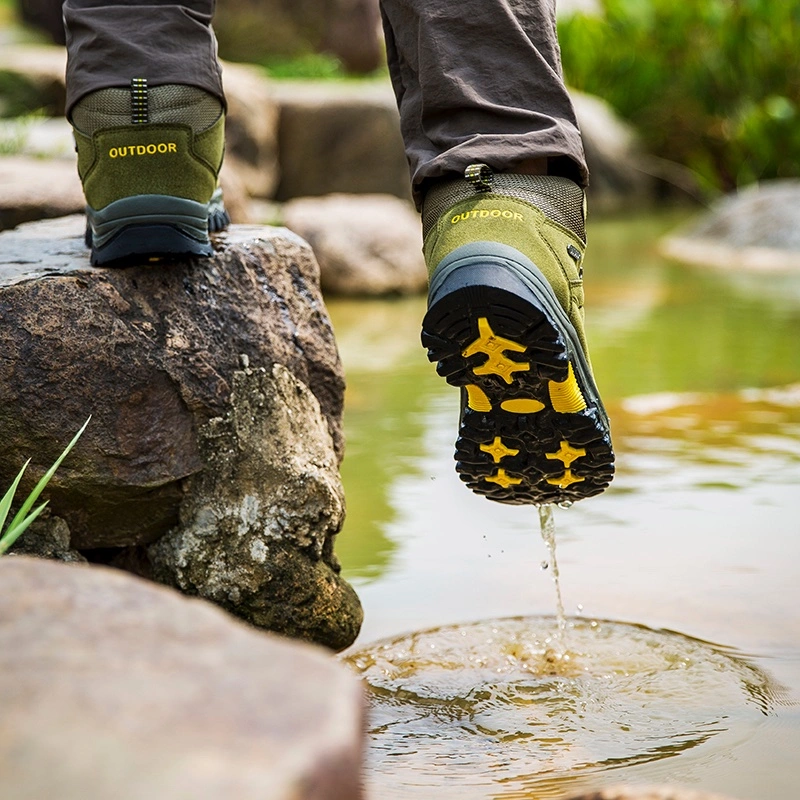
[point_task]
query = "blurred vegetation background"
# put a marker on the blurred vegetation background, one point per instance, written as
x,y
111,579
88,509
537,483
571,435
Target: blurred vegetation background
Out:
x,y
710,85
713,85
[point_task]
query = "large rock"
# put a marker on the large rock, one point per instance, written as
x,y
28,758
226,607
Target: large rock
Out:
x,y
216,393
755,229
365,244
340,137
33,188
113,687
255,30
346,138
251,129
257,524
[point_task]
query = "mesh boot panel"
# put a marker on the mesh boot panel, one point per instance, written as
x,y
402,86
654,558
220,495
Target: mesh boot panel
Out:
x,y
559,198
110,108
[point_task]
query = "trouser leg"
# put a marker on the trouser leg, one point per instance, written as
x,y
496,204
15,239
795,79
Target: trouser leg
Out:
x,y
480,81
111,41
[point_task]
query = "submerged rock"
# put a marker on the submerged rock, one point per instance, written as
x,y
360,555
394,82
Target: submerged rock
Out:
x,y
113,687
216,391
365,244
757,228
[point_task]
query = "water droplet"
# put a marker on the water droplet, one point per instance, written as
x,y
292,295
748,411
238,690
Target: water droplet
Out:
x,y
579,608
544,565
565,504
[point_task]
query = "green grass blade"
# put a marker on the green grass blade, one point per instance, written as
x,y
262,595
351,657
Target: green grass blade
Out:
x,y
8,497
39,488
14,532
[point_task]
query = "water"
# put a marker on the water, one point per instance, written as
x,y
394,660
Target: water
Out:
x,y
478,710
699,534
547,528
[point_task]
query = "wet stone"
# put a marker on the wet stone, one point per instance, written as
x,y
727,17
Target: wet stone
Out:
x,y
183,440
367,245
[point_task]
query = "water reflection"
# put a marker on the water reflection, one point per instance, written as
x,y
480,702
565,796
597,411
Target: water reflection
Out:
x,y
655,328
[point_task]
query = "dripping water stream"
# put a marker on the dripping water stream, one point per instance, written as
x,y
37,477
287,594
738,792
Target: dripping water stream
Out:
x,y
548,530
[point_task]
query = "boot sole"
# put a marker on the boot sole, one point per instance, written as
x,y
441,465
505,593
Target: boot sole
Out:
x,y
533,429
149,226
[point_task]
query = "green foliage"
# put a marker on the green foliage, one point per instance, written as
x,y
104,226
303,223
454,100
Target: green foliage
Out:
x,y
314,66
711,84
27,514
308,65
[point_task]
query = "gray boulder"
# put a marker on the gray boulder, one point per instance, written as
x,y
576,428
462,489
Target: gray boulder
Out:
x,y
33,188
365,244
345,138
757,228
114,687
216,392
252,30
257,525
340,138
251,129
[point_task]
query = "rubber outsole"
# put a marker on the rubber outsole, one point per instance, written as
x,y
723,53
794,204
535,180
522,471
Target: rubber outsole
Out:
x,y
153,226
533,429
152,241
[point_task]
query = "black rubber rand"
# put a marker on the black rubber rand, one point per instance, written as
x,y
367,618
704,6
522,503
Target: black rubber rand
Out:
x,y
135,241
533,429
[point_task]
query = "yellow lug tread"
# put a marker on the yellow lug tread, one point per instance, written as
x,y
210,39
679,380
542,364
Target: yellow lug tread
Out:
x,y
493,347
501,478
497,450
566,480
566,454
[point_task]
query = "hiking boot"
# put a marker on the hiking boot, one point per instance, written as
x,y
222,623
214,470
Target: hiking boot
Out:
x,y
505,323
149,160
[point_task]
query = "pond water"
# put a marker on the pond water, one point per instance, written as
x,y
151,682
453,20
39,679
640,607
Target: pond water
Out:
x,y
681,661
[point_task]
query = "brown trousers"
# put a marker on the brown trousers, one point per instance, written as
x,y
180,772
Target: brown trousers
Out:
x,y
475,80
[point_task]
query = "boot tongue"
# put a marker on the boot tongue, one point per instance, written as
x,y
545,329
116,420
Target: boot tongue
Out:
x,y
559,198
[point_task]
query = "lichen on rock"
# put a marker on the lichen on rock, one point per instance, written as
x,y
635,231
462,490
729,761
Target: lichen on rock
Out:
x,y
257,524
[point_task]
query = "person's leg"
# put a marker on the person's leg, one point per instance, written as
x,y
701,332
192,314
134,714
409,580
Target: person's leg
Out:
x,y
480,81
481,95
144,96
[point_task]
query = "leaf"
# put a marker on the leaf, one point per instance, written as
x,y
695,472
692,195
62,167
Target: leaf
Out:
x,y
14,532
8,497
39,488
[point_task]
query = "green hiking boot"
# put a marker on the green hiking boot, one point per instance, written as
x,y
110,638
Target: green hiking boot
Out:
x,y
505,323
149,161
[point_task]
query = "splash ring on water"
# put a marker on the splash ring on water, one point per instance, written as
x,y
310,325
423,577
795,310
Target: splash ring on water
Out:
x,y
500,704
